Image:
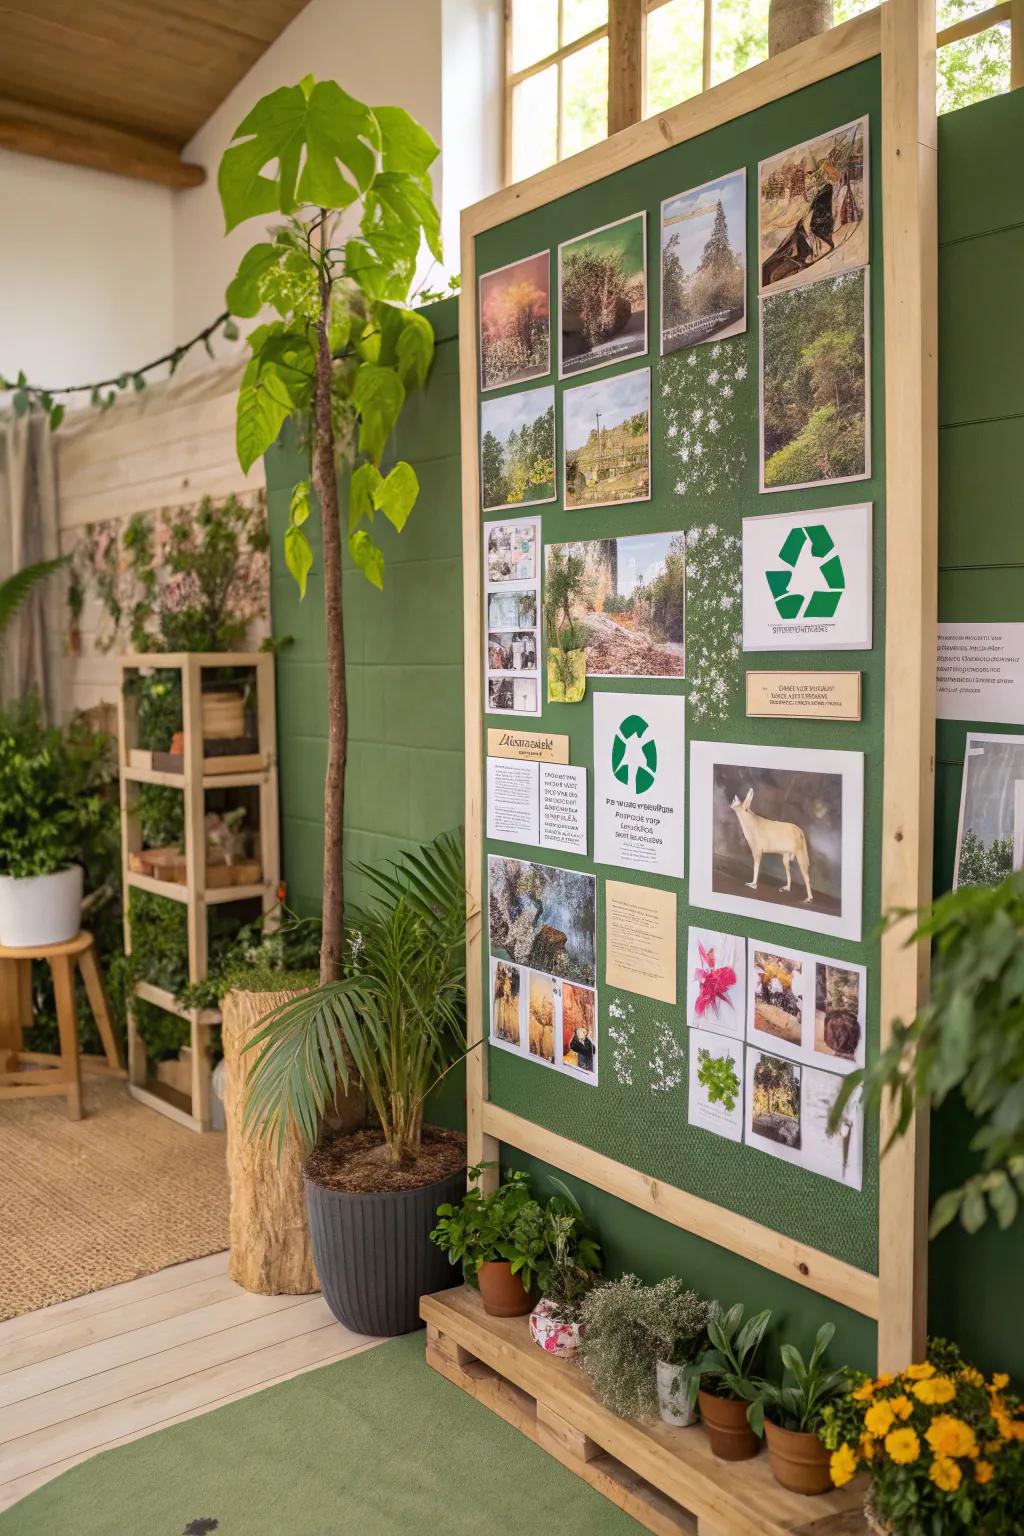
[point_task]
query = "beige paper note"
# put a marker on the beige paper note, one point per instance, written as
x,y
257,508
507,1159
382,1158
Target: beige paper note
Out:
x,y
640,950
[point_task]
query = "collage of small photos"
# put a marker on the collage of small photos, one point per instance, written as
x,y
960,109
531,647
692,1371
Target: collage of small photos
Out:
x,y
775,832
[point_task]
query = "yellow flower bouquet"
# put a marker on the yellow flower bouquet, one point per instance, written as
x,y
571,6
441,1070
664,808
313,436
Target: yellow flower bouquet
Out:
x,y
943,1448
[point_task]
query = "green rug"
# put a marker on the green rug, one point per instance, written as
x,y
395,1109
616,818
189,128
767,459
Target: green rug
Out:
x,y
378,1445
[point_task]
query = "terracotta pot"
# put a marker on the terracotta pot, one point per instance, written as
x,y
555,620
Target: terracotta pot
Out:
x,y
502,1293
732,1438
799,1461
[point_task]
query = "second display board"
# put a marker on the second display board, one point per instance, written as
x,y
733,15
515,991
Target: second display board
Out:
x,y
683,499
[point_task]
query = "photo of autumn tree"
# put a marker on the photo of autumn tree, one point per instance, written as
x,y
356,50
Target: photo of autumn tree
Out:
x,y
704,263
776,1106
517,449
515,322
814,384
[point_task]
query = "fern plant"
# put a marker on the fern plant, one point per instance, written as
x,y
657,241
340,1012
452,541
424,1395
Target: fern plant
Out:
x,y
17,588
397,1016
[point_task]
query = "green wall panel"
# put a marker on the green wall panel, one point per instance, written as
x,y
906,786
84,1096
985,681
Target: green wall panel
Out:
x,y
974,1284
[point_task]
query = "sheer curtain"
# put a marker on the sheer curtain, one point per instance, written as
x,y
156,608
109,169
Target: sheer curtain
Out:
x,y
28,532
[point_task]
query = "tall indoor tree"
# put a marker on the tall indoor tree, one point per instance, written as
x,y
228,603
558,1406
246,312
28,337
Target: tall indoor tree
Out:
x,y
351,186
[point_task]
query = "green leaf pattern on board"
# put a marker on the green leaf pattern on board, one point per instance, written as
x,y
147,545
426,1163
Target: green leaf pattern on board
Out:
x,y
714,586
707,400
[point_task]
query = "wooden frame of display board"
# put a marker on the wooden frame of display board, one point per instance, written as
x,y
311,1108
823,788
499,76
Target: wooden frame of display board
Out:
x,y
901,33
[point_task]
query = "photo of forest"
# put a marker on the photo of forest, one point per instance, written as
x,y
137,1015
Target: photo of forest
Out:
x,y
814,384
704,263
606,430
515,322
517,449
602,291
622,601
543,917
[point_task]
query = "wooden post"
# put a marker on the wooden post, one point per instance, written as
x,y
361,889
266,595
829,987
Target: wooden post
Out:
x,y
626,63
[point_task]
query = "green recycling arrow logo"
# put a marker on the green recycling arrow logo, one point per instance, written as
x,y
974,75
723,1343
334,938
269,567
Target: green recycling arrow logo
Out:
x,y
634,749
821,604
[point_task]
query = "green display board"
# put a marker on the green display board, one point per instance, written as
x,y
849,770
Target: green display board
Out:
x,y
637,1114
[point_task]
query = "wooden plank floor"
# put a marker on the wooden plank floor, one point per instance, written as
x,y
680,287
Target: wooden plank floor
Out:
x,y
104,1369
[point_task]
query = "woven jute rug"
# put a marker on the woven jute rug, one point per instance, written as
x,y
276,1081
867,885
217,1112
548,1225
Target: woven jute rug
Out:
x,y
89,1203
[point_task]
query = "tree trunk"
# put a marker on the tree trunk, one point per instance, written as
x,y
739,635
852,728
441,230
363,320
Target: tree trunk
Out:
x,y
326,484
794,21
270,1251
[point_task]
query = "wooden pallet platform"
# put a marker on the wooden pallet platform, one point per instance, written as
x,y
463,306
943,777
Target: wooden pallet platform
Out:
x,y
666,1478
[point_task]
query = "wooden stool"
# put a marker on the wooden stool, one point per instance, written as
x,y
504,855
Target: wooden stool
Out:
x,y
34,1074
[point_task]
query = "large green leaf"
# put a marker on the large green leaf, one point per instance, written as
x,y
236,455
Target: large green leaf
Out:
x,y
415,349
243,296
15,590
264,405
397,494
364,488
368,558
378,395
322,142
406,145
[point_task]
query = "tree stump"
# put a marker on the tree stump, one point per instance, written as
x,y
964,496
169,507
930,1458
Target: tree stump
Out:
x,y
794,21
269,1234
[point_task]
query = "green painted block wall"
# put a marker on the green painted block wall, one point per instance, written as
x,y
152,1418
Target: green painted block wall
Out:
x,y
408,695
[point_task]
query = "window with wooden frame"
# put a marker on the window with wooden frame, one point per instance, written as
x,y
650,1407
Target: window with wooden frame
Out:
x,y
577,70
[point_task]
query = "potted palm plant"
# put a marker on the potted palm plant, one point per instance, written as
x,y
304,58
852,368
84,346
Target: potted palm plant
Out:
x,y
791,1414
397,1019
728,1390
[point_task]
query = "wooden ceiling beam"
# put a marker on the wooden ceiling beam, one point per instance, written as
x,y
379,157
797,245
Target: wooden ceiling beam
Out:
x,y
61,136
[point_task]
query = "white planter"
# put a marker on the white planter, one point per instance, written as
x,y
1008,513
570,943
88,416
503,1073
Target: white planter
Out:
x,y
42,909
675,1406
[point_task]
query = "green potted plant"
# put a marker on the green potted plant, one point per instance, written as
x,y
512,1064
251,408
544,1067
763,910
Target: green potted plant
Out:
x,y
568,1270
790,1414
397,1019
55,816
728,1390
679,1322
942,1448
628,1327
498,1239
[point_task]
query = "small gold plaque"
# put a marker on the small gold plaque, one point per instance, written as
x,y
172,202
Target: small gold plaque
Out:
x,y
804,695
528,746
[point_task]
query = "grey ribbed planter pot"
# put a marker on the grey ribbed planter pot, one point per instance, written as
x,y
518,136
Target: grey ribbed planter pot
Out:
x,y
374,1255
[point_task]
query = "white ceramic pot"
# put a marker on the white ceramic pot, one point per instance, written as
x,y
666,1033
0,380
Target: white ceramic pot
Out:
x,y
674,1405
552,1334
42,909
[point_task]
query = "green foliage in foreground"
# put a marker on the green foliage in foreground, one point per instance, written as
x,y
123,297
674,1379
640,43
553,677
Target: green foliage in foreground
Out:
x,y
55,806
969,1037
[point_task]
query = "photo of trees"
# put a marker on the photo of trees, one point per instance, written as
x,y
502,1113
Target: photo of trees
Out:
x,y
607,441
814,383
517,449
704,263
602,280
515,322
990,842
622,601
776,1104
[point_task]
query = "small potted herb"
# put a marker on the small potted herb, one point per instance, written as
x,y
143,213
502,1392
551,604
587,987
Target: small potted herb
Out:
x,y
568,1271
497,1238
728,1391
679,1322
791,1415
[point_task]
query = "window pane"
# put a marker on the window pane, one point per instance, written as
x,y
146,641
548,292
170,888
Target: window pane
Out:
x,y
952,11
675,52
845,10
973,69
580,17
535,123
740,37
534,31
585,98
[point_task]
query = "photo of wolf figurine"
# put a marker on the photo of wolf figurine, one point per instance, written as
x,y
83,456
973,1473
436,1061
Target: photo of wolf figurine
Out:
x,y
777,832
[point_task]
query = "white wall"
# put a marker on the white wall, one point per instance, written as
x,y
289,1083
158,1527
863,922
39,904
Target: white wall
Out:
x,y
85,270
385,52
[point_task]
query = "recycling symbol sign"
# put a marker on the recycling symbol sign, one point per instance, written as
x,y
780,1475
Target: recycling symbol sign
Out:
x,y
635,754
821,603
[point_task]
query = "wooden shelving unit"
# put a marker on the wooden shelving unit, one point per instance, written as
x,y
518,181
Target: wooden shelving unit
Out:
x,y
666,1478
196,777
